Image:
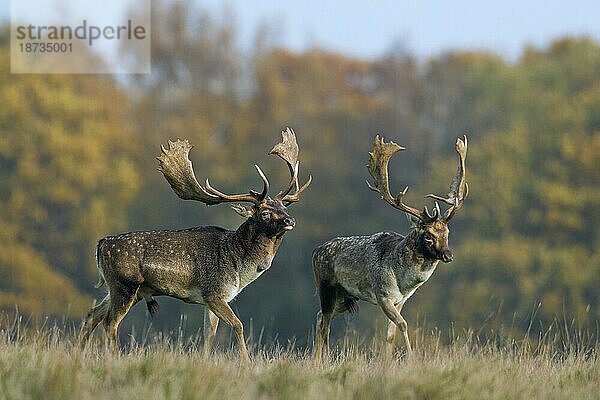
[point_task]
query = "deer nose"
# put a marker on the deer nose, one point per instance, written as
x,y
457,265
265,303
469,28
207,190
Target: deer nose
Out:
x,y
289,221
447,256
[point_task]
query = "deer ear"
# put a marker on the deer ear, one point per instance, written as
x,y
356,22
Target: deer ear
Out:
x,y
244,211
413,221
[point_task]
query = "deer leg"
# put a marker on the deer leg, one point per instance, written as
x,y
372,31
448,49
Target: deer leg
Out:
x,y
122,298
327,295
96,314
390,338
391,334
211,322
322,334
224,312
393,314
318,337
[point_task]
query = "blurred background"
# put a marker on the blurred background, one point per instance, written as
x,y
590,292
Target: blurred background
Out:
x,y
77,155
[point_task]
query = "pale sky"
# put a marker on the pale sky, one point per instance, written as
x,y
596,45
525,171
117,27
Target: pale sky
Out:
x,y
369,28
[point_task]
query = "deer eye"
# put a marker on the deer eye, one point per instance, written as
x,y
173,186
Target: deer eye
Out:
x,y
265,215
429,239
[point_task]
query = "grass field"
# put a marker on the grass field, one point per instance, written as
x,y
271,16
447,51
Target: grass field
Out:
x,y
44,364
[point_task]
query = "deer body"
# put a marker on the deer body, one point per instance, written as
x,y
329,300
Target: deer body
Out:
x,y
385,268
205,265
175,263
385,264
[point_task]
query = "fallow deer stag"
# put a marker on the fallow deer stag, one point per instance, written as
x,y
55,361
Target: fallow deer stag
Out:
x,y
385,268
207,265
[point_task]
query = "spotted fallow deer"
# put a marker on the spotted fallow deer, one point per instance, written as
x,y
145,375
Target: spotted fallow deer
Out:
x,y
207,264
385,268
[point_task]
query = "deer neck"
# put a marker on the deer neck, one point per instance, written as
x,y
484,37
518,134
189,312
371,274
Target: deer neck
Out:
x,y
254,248
412,253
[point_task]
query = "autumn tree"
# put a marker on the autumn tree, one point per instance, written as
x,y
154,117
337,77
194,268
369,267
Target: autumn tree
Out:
x,y
67,179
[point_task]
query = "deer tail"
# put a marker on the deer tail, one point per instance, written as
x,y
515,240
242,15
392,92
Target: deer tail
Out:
x,y
101,279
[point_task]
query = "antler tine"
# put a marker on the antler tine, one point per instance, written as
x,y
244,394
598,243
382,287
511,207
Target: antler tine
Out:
x,y
434,214
293,181
177,169
252,196
262,175
294,197
459,189
457,206
379,159
288,151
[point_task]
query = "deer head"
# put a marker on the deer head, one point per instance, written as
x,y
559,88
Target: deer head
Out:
x,y
269,215
432,227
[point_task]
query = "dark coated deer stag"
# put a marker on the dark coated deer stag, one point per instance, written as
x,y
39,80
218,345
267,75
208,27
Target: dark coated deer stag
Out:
x,y
207,265
385,268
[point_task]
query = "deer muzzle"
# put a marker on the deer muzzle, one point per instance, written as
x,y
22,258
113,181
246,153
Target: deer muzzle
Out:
x,y
447,256
289,223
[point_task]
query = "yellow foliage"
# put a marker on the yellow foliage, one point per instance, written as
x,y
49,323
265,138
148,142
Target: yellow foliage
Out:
x,y
31,285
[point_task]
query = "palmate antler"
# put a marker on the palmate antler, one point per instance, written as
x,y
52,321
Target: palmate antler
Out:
x,y
175,165
459,189
287,150
378,168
